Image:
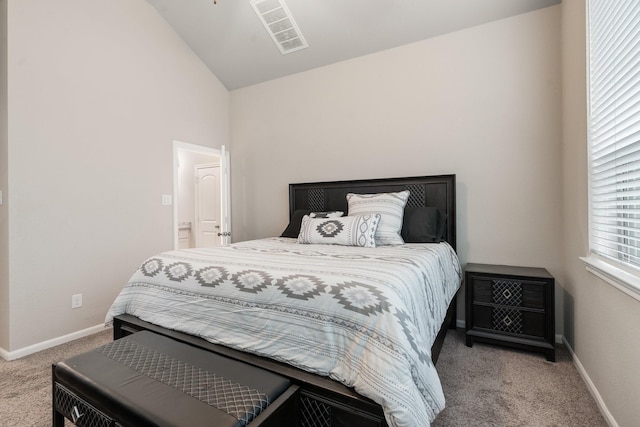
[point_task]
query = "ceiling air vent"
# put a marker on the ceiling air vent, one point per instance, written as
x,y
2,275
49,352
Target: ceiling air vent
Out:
x,y
280,25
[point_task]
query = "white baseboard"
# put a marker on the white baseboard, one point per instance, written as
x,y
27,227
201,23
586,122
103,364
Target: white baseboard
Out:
x,y
25,351
591,387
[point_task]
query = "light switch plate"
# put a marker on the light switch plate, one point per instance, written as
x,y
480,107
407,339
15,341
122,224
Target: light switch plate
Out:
x,y
76,301
167,199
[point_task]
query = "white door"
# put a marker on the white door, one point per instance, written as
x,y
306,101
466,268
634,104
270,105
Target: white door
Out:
x,y
207,206
183,192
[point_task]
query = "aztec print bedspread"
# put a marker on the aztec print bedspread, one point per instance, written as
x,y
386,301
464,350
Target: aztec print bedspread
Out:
x,y
366,317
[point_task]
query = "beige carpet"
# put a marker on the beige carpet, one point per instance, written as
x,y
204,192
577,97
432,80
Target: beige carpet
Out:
x,y
484,386
25,384
488,385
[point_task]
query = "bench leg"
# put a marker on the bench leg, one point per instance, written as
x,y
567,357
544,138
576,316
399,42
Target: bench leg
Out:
x,y
58,418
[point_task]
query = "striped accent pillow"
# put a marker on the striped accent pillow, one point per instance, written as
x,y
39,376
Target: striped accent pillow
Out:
x,y
390,206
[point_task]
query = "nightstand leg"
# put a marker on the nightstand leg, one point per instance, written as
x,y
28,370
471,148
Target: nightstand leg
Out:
x,y
551,355
469,341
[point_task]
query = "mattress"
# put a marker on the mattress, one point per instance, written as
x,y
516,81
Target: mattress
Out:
x,y
366,317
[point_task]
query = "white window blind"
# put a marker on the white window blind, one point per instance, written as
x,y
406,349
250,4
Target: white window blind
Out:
x,y
614,129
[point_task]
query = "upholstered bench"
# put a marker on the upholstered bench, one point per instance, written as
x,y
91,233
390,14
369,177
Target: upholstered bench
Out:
x,y
147,379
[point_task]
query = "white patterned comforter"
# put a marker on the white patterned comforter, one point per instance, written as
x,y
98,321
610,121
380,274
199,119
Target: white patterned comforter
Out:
x,y
366,317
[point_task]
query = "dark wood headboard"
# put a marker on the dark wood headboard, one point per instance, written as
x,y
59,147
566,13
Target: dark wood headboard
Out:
x,y
438,191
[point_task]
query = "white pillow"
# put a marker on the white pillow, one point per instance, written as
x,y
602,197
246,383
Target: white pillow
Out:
x,y
390,206
358,230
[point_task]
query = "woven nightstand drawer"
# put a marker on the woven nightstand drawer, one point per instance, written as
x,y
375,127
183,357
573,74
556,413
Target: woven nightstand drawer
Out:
x,y
507,292
507,320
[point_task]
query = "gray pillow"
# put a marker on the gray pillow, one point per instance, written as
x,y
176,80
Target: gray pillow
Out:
x,y
423,225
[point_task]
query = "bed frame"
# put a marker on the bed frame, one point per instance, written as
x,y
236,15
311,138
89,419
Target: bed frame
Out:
x,y
325,402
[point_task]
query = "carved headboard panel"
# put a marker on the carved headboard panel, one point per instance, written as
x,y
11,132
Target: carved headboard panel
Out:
x,y
438,191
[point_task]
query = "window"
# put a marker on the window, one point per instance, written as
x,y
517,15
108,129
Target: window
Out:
x,y
614,129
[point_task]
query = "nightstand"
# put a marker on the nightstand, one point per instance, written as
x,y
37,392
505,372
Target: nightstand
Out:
x,y
512,306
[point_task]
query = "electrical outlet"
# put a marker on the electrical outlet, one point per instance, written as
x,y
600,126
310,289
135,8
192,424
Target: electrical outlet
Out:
x,y
76,301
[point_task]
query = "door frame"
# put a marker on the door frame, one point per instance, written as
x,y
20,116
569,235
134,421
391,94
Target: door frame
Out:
x,y
225,193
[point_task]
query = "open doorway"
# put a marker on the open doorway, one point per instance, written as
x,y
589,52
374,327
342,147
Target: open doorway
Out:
x,y
201,196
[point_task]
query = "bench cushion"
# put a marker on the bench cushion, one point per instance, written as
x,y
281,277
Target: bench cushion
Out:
x,y
147,379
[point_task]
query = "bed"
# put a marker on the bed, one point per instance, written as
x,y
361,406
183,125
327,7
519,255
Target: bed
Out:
x,y
358,328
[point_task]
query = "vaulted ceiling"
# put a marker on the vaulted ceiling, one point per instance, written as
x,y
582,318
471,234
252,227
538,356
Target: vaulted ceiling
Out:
x,y
231,40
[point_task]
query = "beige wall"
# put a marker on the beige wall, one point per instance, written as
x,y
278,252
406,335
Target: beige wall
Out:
x,y
483,103
4,172
600,321
98,91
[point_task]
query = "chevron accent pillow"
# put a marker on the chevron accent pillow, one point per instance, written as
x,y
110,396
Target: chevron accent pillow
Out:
x,y
358,230
390,206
